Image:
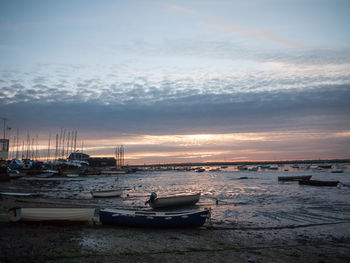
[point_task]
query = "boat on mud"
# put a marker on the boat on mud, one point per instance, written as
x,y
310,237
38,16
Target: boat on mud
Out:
x,y
294,178
319,183
107,193
174,200
51,214
134,218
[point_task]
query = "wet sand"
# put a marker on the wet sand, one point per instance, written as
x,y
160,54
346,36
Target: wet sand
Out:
x,y
39,242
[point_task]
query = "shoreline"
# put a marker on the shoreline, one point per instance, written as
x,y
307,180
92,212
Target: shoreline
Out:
x,y
45,242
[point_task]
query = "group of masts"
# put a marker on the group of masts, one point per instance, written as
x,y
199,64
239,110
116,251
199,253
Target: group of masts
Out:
x,y
29,148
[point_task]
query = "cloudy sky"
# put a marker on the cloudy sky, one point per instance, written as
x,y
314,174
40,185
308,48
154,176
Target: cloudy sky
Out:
x,y
180,81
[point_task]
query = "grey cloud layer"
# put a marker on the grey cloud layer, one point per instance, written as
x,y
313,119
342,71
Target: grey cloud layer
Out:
x,y
325,107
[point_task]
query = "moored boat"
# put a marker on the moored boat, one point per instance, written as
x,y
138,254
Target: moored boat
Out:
x,y
69,214
175,200
319,183
338,171
294,178
325,166
154,219
107,193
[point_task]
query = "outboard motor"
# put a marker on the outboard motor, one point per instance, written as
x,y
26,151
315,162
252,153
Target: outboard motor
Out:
x,y
152,197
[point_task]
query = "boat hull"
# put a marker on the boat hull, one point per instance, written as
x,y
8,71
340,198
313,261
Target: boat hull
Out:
x,y
104,194
153,219
178,200
294,178
319,183
51,214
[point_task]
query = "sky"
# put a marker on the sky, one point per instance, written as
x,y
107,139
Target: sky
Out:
x,y
180,81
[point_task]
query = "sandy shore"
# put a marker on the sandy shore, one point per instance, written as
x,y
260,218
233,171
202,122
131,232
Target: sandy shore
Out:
x,y
39,242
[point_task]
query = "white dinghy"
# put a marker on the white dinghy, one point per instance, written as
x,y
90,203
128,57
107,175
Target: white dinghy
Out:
x,y
70,214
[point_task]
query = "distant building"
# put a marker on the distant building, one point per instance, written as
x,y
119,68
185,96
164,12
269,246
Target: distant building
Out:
x,y
102,162
78,156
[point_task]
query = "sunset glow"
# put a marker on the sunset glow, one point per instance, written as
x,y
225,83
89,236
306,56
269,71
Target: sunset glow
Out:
x,y
178,81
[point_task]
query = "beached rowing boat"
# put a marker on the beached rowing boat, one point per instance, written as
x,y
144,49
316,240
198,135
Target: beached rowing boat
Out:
x,y
107,193
175,200
70,214
294,178
319,183
154,219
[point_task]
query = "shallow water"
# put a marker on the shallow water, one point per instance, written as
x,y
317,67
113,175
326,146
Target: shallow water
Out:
x,y
258,201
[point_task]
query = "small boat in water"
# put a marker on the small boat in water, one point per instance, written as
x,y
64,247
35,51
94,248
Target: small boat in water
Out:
x,y
294,178
175,200
154,219
107,193
55,214
319,183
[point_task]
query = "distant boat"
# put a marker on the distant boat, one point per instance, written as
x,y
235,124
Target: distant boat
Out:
x,y
265,166
273,168
242,167
224,166
325,166
154,219
199,170
107,193
253,169
175,200
70,214
338,171
319,183
294,178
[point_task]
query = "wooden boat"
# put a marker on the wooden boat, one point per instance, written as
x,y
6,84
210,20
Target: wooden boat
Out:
x,y
154,219
175,200
56,214
319,183
294,178
107,193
